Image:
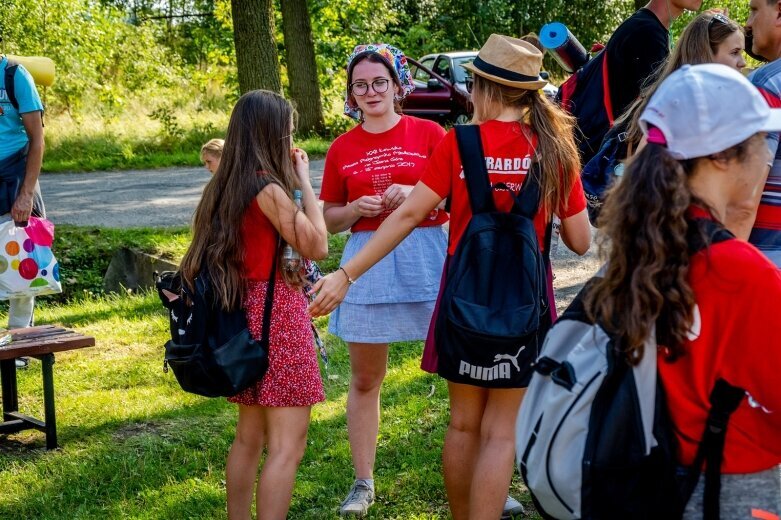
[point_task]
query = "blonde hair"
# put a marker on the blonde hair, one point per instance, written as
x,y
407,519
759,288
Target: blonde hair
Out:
x,y
556,151
213,147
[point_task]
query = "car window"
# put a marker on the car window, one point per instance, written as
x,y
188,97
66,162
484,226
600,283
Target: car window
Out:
x,y
442,68
460,72
420,77
428,62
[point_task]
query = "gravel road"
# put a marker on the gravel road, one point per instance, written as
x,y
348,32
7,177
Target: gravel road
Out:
x,y
168,196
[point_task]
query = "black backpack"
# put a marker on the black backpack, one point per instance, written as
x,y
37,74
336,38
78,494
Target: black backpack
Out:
x,y
586,95
211,351
494,307
594,437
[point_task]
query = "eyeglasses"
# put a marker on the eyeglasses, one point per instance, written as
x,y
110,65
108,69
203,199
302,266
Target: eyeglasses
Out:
x,y
361,88
470,84
718,17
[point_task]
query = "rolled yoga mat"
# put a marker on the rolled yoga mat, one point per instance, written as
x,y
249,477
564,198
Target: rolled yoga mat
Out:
x,y
563,46
40,68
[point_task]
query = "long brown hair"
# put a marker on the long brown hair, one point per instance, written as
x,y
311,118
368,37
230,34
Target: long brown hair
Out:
x,y
556,152
699,42
644,236
256,153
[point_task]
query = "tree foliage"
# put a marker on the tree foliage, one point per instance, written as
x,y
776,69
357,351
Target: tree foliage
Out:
x,y
169,52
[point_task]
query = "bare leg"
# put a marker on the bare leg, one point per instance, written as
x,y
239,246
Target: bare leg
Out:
x,y
368,363
243,459
286,440
494,468
462,445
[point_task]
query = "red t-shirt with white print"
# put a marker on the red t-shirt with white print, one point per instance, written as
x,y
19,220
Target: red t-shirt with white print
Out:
x,y
508,148
360,163
734,337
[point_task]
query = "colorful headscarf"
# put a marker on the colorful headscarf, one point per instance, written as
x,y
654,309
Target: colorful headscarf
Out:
x,y
395,59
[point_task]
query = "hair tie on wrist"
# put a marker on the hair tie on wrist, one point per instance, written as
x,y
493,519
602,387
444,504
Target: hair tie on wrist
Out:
x,y
349,280
655,136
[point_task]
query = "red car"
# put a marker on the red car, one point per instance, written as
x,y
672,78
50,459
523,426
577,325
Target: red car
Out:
x,y
440,88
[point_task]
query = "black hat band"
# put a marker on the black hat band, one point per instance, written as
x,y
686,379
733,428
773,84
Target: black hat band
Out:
x,y
499,72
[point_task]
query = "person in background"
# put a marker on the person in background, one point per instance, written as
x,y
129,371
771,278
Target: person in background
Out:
x,y
369,173
714,312
246,209
518,125
711,37
21,157
639,46
765,32
211,153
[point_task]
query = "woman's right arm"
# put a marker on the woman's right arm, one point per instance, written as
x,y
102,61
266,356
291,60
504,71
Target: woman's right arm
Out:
x,y
576,232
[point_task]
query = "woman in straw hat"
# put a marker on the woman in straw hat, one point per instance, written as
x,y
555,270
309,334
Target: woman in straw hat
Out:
x,y
518,126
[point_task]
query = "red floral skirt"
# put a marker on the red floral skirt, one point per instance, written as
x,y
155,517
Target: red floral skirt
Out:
x,y
293,376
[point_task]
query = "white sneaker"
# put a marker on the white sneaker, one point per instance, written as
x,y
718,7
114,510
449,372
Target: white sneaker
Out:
x,y
512,508
358,501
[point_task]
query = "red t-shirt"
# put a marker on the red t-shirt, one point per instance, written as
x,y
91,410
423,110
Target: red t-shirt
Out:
x,y
508,157
361,163
260,239
734,337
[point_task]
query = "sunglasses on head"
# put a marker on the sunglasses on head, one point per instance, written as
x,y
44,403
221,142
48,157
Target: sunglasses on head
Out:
x,y
720,18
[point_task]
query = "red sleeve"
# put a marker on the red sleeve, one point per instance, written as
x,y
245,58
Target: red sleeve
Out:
x,y
438,172
333,188
753,359
575,203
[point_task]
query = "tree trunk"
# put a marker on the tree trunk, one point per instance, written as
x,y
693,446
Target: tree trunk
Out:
x,y
256,50
301,66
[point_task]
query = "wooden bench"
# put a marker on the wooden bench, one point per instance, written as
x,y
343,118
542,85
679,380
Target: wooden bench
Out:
x,y
41,343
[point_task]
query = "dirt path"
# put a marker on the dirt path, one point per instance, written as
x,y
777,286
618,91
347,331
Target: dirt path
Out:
x,y
167,197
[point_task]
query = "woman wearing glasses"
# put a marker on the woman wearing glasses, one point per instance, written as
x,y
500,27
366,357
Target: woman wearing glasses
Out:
x,y
369,171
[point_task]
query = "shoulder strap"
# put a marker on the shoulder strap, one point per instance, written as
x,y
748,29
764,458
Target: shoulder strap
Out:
x,y
269,301
10,89
606,99
724,400
704,232
470,148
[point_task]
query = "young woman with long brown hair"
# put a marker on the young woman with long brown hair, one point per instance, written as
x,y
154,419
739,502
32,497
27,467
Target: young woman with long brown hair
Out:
x,y
246,207
714,312
518,125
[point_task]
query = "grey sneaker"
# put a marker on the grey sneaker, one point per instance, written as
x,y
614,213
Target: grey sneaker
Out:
x,y
512,508
358,501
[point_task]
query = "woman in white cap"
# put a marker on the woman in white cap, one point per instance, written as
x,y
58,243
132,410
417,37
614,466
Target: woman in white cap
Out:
x,y
714,311
517,126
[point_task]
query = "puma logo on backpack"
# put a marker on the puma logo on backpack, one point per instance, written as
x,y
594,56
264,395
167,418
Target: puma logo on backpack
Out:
x,y
494,307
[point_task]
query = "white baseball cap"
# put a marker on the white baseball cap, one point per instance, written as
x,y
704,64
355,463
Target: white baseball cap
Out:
x,y
706,109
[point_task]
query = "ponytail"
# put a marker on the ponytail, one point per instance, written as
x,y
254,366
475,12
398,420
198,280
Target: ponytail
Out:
x,y
644,241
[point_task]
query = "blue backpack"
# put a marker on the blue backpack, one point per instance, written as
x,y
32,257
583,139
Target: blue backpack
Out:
x,y
604,168
494,308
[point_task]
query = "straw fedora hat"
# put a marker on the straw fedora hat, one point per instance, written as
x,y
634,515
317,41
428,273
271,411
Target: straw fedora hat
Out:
x,y
509,61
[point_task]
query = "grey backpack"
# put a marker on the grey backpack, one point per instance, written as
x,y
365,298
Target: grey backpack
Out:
x,y
593,436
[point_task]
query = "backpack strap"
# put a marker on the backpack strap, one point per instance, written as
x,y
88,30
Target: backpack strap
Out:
x,y
704,232
11,67
724,400
606,99
269,301
470,148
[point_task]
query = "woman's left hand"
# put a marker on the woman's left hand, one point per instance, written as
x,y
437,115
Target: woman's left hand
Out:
x,y
330,292
395,195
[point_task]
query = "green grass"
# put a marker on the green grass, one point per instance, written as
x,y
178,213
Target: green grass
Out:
x,y
134,445
137,140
